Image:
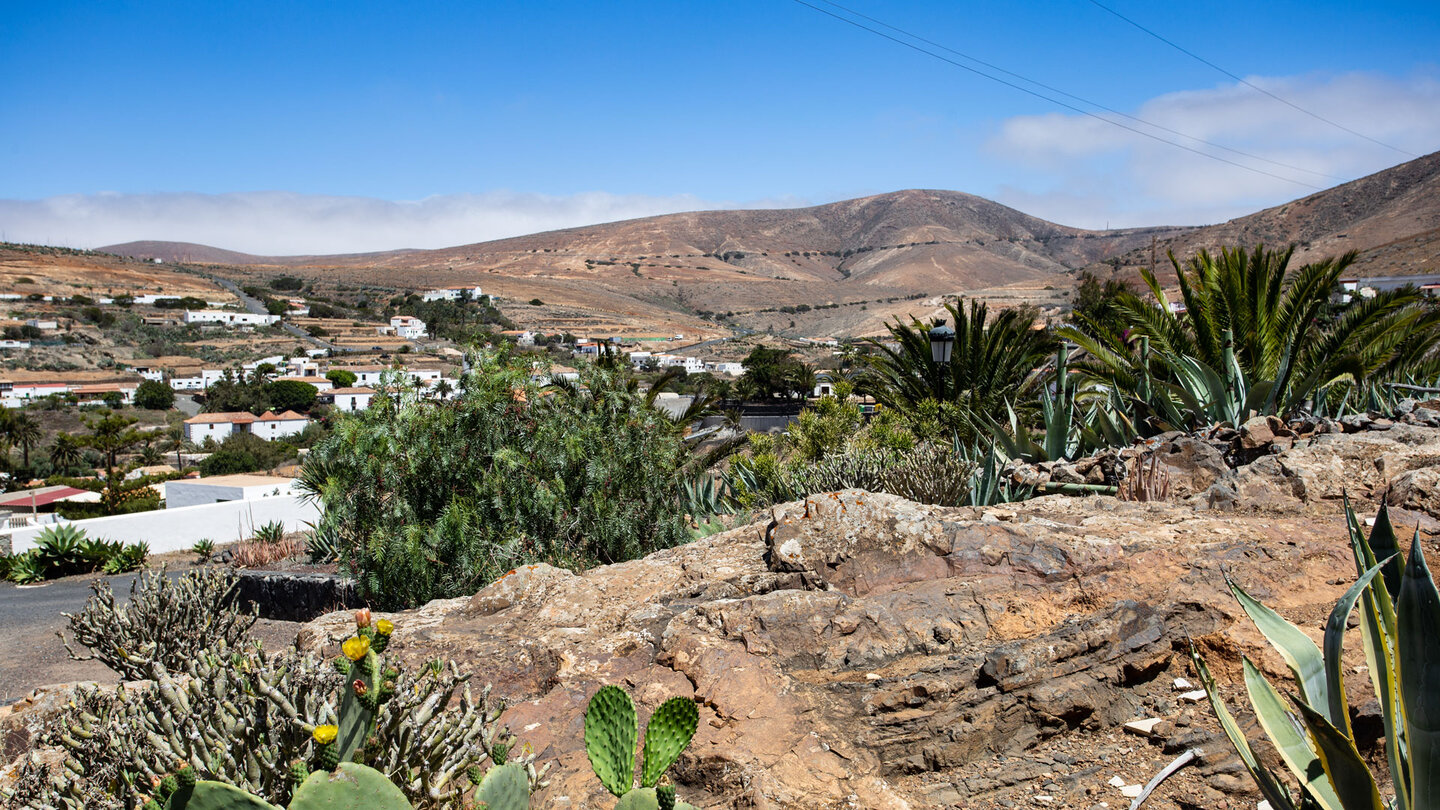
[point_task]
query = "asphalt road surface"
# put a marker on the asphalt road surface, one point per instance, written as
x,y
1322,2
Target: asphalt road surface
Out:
x,y
32,655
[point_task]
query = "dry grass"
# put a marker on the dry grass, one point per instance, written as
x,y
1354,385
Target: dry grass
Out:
x,y
258,554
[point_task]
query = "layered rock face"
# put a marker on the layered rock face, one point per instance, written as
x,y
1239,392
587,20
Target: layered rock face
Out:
x,y
862,651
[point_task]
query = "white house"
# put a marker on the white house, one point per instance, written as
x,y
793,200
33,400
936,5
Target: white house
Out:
x,y
207,378
220,426
733,369
408,327
271,425
348,399
692,365
225,318
639,359
217,426
43,324
450,294
218,488
14,344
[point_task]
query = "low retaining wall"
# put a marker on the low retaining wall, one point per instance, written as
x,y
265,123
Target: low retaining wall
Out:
x,y
296,597
179,529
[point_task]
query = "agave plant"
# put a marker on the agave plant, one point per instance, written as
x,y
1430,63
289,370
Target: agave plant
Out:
x,y
1249,316
1399,611
61,549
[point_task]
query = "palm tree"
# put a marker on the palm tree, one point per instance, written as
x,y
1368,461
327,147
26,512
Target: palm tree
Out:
x,y
990,364
66,451
25,433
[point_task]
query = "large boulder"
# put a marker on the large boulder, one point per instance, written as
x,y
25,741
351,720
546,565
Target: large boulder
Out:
x,y
862,651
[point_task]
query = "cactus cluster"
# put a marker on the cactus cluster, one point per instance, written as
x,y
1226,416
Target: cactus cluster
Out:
x,y
262,722
611,730
166,621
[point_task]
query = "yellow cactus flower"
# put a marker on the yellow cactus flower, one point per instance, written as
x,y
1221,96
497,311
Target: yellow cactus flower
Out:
x,y
384,627
355,647
326,734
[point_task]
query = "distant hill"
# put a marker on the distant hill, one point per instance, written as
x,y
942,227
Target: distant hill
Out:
x,y
859,254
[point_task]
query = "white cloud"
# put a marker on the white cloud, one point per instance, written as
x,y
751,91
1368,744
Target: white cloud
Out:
x,y
284,223
1098,173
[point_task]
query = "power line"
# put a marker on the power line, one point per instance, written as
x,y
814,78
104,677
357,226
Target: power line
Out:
x,y
1254,87
1082,100
1055,101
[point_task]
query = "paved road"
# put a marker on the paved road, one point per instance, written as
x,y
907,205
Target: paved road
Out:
x,y
30,653
257,307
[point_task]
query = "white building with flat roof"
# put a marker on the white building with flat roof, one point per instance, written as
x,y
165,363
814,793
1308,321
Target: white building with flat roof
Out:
x,y
449,294
218,488
227,318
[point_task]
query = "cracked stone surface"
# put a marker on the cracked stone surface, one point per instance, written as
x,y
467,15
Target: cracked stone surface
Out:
x,y
862,651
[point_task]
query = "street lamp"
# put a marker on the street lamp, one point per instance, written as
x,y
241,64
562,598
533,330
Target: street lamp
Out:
x,y
942,340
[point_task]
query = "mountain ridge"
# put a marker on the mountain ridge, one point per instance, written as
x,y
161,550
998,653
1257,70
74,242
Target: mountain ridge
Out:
x,y
872,255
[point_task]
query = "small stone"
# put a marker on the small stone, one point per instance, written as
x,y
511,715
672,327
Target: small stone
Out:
x,y
1043,799
1116,781
871,676
1182,685
1193,697
1132,791
1144,728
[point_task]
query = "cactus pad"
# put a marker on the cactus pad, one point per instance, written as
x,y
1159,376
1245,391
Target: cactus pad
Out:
x,y
505,787
610,732
207,795
350,786
669,732
645,799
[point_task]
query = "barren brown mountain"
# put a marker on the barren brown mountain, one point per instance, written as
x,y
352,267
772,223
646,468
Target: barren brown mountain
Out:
x,y
874,257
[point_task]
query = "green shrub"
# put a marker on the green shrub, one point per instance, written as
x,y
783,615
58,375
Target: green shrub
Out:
x,y
154,396
435,499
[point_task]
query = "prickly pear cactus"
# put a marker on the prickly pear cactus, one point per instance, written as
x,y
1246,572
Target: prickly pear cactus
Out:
x,y
646,799
206,795
350,787
610,731
368,683
505,787
668,733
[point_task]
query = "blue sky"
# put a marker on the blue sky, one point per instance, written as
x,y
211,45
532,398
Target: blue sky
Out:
x,y
316,126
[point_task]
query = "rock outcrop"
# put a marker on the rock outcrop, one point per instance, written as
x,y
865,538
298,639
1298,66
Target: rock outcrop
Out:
x,y
861,651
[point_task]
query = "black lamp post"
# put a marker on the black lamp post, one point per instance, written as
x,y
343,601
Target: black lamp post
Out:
x,y
942,341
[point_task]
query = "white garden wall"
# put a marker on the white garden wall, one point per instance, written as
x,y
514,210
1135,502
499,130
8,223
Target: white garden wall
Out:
x,y
179,529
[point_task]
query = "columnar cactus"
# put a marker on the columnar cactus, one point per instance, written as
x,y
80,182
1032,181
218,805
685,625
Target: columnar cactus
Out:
x,y
610,733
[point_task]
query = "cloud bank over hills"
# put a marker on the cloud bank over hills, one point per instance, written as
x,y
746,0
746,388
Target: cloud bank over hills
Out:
x,y
282,223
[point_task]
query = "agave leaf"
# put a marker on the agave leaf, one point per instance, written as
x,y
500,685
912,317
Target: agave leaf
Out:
x,y
1270,787
1294,746
1384,545
1346,770
1334,643
1418,610
1299,652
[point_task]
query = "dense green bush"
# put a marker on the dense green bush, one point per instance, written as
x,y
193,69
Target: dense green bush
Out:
x,y
155,396
246,452
435,499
